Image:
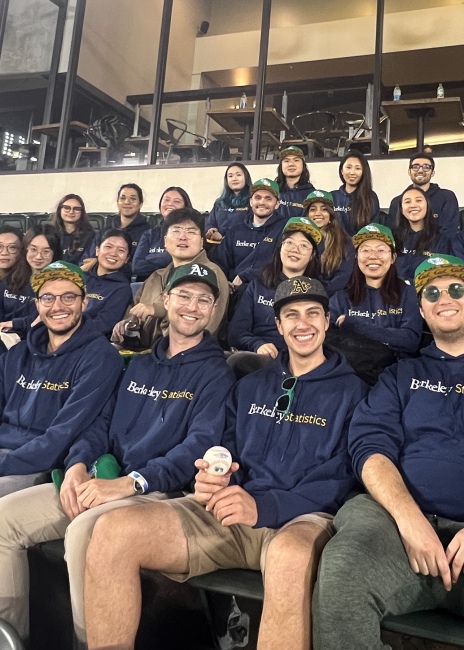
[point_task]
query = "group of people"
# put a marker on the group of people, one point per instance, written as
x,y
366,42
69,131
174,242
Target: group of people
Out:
x,y
342,496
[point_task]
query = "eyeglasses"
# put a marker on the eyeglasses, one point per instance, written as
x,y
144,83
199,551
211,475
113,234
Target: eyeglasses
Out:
x,y
10,248
288,244
432,293
131,199
426,167
71,208
43,252
185,297
68,298
284,402
177,231
378,252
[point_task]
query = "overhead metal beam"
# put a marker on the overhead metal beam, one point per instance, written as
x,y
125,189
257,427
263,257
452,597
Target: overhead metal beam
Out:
x,y
261,80
159,82
63,134
377,92
4,6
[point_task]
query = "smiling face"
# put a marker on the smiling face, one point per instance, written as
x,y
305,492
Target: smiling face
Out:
x,y
445,317
187,315
61,319
129,204
421,176
319,213
183,242
295,254
39,253
10,246
112,254
71,212
171,200
303,325
292,166
352,172
414,208
235,179
375,258
263,204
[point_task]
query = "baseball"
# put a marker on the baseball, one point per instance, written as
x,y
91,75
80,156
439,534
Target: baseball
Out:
x,y
219,460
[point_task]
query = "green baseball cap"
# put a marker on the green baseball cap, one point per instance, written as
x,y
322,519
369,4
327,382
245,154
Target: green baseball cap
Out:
x,y
265,184
306,225
193,272
291,151
299,288
374,231
58,271
438,266
318,196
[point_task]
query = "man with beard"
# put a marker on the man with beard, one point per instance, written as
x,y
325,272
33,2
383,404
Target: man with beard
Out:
x,y
400,548
443,202
54,385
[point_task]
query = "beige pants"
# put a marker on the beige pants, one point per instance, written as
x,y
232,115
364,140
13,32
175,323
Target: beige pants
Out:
x,y
35,515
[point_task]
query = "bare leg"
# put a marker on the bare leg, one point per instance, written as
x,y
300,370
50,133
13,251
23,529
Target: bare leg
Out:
x,y
290,573
123,541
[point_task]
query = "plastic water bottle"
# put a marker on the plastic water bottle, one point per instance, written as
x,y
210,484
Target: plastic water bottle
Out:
x,y
440,91
396,93
243,101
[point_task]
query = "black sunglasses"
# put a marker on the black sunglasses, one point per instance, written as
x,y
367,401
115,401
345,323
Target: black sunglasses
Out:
x,y
432,293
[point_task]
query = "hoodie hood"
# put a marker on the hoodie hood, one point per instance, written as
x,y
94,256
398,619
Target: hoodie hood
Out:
x,y
37,339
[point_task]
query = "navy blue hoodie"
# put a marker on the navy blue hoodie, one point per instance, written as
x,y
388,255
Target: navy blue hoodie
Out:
x,y
170,411
50,401
398,327
77,255
223,218
339,279
415,417
408,260
253,323
150,254
444,206
291,200
246,248
297,464
342,206
19,308
109,296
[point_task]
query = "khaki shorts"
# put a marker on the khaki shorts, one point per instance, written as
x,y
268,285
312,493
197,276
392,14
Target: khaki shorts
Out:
x,y
212,546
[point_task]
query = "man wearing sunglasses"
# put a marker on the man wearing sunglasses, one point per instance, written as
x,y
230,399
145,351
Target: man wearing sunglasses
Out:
x,y
286,430
400,548
444,204
46,381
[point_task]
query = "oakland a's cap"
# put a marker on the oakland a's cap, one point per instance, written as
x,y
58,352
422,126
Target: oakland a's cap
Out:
x,y
58,271
265,184
438,266
318,196
192,273
291,151
299,288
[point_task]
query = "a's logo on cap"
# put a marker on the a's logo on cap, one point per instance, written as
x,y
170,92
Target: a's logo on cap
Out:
x,y
318,193
372,228
266,182
303,220
196,270
300,286
56,265
437,261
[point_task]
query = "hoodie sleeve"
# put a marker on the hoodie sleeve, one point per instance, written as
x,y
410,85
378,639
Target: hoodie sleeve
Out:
x,y
225,255
376,425
375,207
448,219
205,429
241,334
140,265
393,212
94,442
339,280
94,381
211,219
112,308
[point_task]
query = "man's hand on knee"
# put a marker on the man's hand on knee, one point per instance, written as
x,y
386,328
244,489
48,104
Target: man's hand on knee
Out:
x,y
455,555
98,491
75,476
233,505
207,484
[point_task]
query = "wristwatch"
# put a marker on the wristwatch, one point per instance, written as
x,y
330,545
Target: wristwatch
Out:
x,y
140,484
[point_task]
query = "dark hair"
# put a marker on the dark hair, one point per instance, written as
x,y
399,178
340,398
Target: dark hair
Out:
x,y
83,229
184,214
179,190
281,180
22,272
117,232
132,186
390,289
13,277
336,244
271,274
428,232
228,198
361,205
422,154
